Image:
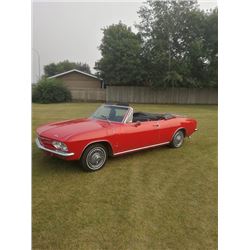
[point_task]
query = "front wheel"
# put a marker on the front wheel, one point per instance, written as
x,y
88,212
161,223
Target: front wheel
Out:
x,y
178,139
94,157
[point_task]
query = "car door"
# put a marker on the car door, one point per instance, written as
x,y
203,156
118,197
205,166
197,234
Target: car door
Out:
x,y
138,135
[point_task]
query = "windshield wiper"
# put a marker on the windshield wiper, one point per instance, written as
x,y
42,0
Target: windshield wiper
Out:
x,y
105,117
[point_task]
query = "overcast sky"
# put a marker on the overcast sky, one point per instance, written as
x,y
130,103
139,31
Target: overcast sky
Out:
x,y
72,30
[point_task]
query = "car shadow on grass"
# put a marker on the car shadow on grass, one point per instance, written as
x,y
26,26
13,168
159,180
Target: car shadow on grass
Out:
x,y
50,164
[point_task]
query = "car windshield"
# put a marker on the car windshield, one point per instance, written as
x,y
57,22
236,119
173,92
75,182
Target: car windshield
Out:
x,y
110,113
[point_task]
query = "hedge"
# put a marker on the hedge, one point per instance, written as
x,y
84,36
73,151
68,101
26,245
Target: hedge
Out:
x,y
50,91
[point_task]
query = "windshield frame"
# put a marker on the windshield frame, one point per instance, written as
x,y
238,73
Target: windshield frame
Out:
x,y
126,116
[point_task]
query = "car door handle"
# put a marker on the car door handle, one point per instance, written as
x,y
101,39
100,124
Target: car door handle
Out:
x,y
156,125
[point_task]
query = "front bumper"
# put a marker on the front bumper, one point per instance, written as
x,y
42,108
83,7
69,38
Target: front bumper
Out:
x,y
57,152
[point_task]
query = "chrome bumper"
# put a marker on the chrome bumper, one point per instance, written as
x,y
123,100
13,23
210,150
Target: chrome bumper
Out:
x,y
61,153
195,129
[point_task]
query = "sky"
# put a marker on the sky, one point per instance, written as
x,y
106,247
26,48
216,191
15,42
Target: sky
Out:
x,y
73,30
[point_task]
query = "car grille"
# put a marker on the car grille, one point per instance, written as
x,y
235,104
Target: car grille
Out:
x,y
46,142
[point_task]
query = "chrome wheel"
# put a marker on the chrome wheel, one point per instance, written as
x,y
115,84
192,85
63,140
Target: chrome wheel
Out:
x,y
178,139
96,158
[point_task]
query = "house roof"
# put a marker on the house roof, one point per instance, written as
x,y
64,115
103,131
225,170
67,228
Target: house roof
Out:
x,y
75,70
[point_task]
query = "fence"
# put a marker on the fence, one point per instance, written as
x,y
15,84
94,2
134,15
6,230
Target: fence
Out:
x,y
88,94
170,95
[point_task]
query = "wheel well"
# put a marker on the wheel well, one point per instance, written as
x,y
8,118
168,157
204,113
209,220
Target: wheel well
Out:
x,y
108,146
183,130
105,143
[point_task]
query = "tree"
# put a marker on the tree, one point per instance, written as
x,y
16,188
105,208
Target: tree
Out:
x,y
121,60
56,68
179,44
176,46
211,41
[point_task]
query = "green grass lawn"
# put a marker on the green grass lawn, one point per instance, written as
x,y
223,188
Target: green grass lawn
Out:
x,y
160,198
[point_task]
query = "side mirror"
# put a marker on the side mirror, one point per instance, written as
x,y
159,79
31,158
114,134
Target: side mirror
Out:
x,y
138,123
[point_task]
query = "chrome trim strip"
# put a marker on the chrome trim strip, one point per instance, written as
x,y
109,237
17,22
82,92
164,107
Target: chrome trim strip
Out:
x,y
136,149
65,154
106,104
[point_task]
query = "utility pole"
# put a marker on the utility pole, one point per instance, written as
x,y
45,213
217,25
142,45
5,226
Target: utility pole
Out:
x,y
169,52
38,58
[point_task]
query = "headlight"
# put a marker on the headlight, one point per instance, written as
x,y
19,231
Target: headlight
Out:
x,y
60,145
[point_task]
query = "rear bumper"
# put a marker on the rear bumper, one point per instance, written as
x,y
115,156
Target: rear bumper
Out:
x,y
56,152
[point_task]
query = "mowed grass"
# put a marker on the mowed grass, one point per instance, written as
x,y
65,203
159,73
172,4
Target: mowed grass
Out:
x,y
160,198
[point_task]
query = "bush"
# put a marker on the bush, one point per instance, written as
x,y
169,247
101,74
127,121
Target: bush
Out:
x,y
50,91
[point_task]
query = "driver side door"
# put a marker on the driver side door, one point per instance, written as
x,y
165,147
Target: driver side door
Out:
x,y
137,135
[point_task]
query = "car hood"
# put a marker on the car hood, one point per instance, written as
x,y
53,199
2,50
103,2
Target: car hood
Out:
x,y
63,130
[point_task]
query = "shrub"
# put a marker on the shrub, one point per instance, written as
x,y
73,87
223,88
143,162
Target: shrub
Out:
x,y
50,91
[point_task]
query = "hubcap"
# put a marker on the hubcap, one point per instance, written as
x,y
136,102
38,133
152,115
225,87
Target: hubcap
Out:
x,y
96,158
178,139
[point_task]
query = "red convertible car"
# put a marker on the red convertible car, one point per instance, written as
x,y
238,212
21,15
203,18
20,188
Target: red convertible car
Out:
x,y
113,129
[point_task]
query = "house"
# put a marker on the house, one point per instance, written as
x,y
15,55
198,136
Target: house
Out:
x,y
83,86
76,79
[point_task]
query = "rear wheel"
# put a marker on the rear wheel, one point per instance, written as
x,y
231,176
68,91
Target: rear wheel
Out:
x,y
94,157
178,139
